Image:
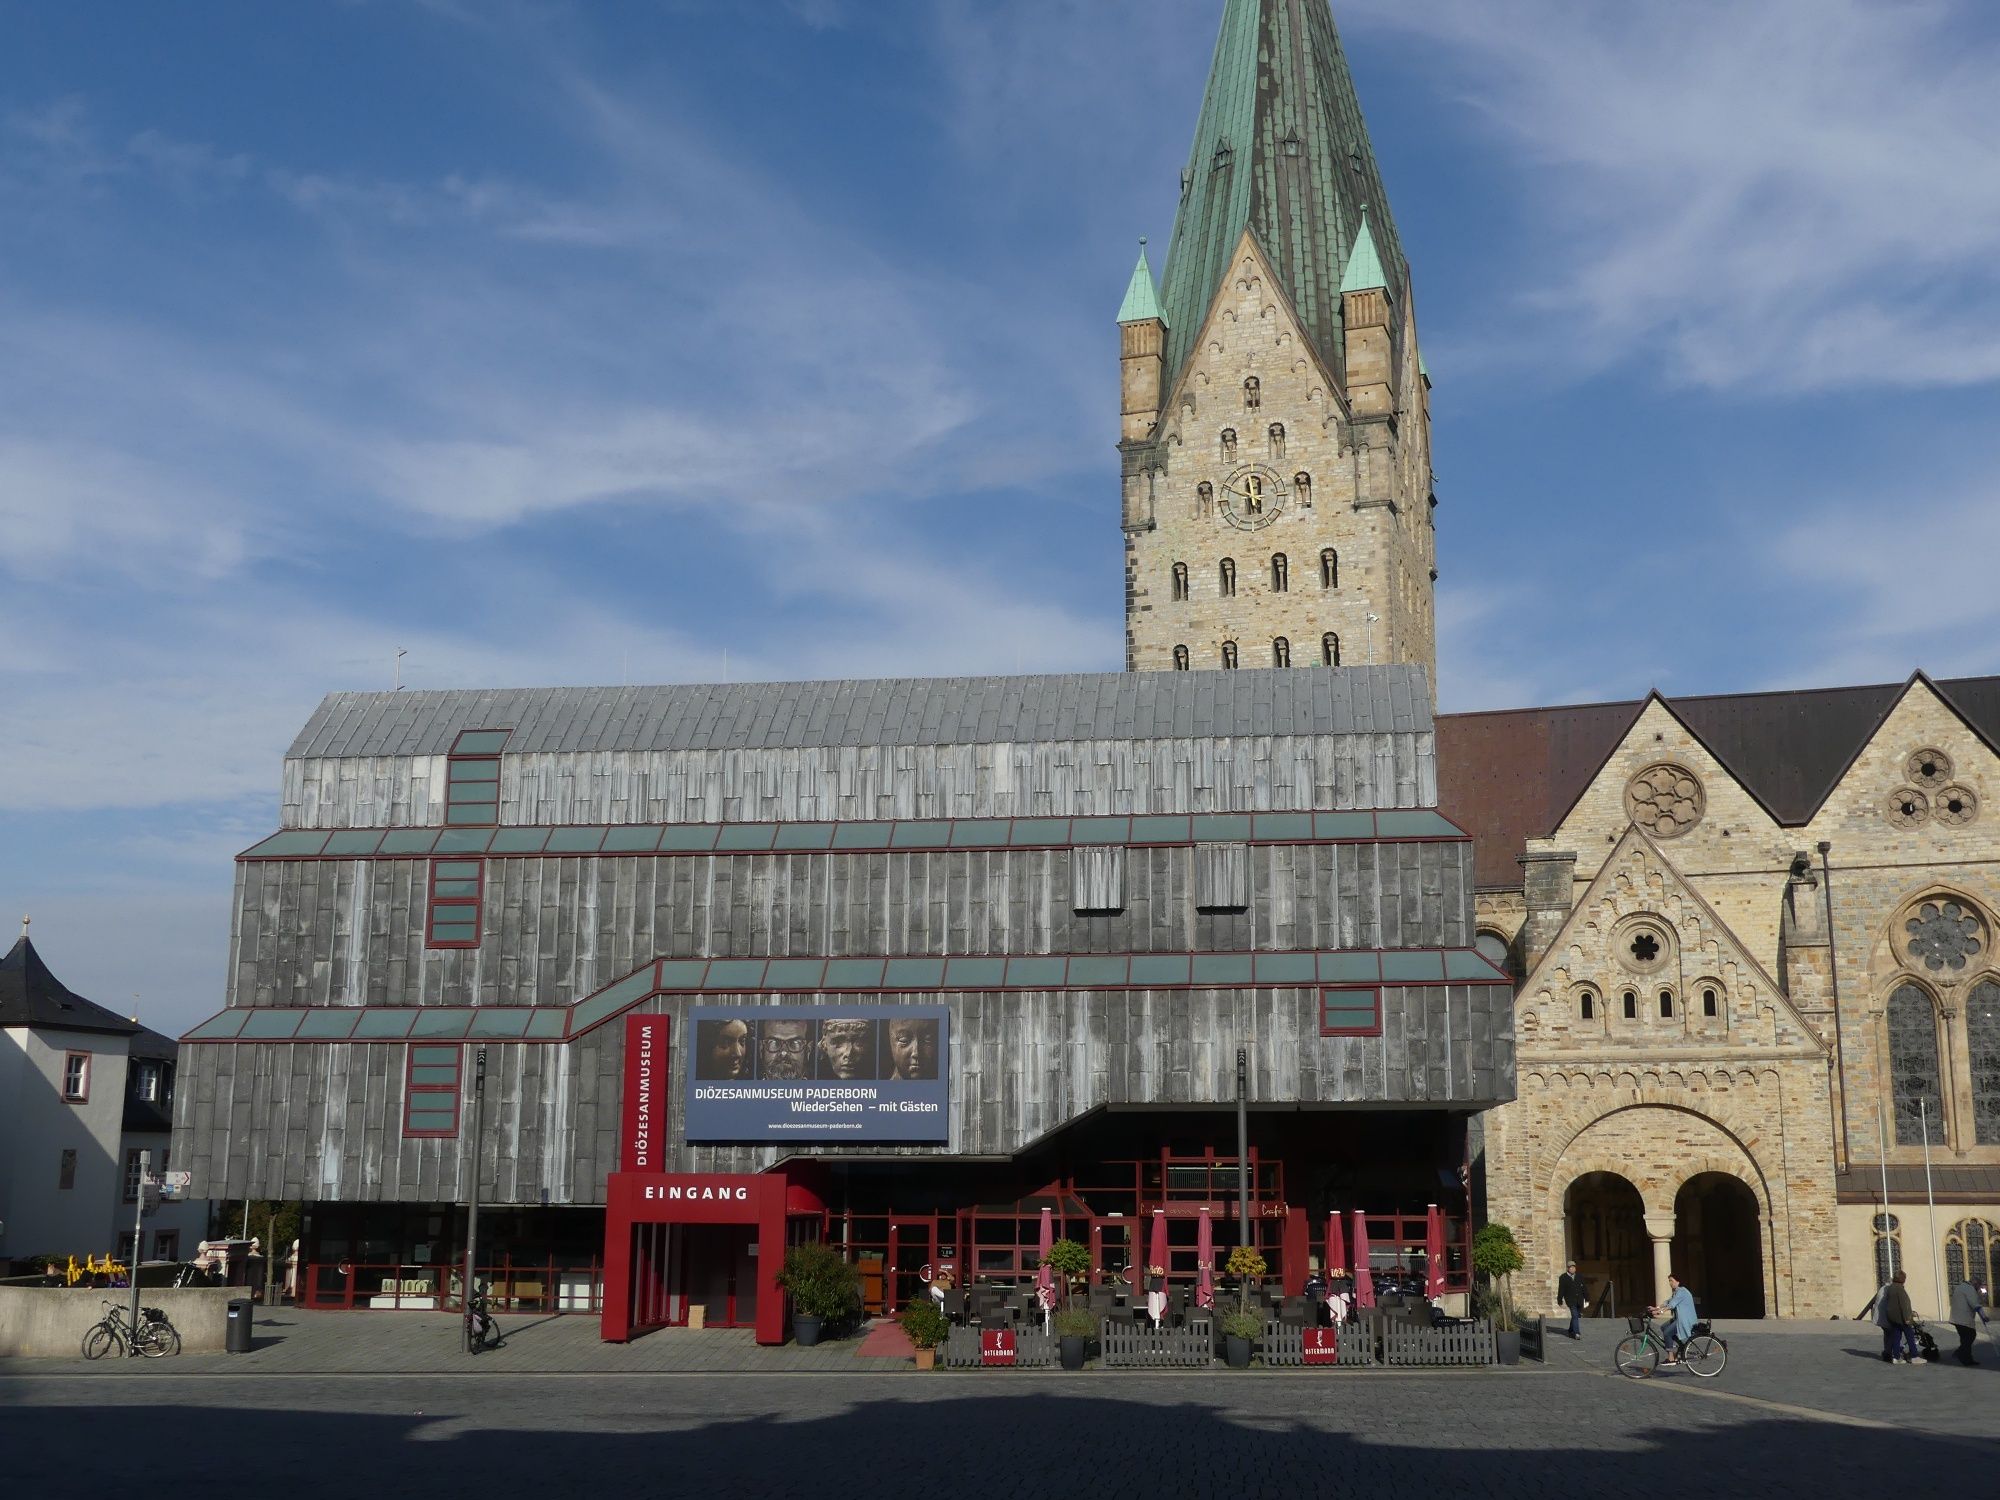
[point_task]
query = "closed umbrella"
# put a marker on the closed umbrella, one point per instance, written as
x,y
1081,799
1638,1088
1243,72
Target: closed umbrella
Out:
x,y
1364,1279
1204,1277
1045,1278
1156,1255
1336,1247
1434,1253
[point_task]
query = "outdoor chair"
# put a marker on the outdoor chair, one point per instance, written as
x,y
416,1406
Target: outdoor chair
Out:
x,y
954,1305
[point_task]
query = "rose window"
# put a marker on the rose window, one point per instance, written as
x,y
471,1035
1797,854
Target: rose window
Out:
x,y
1665,800
1929,769
1906,807
1955,806
1943,935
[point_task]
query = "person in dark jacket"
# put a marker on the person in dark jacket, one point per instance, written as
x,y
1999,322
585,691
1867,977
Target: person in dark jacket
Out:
x,y
1968,1310
1569,1292
1894,1313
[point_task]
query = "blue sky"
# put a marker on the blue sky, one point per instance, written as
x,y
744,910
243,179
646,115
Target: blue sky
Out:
x,y
589,343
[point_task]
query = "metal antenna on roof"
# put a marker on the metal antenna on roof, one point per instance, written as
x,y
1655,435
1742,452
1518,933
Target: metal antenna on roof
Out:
x,y
135,1007
400,654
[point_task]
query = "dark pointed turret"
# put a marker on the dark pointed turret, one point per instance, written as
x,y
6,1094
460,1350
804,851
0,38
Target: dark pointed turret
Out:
x,y
1280,150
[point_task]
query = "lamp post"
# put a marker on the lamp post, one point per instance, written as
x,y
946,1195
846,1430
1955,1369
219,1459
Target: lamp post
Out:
x,y
472,1196
1242,1147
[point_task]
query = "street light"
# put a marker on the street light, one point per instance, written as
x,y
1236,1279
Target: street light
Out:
x,y
1371,638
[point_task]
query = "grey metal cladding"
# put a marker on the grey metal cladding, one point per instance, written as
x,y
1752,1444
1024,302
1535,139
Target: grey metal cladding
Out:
x,y
905,711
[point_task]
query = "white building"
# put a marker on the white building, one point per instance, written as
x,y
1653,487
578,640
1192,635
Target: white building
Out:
x,y
83,1091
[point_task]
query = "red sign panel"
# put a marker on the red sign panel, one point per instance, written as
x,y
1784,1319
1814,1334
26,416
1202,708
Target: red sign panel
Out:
x,y
643,1139
996,1346
1322,1346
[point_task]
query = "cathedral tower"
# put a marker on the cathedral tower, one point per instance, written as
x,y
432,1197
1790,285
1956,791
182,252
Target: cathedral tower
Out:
x,y
1276,422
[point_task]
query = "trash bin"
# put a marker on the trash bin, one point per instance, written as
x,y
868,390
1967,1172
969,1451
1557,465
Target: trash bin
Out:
x,y
238,1341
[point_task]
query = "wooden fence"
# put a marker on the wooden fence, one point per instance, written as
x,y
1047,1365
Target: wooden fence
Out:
x,y
1129,1348
1033,1349
1535,1340
1285,1344
1454,1344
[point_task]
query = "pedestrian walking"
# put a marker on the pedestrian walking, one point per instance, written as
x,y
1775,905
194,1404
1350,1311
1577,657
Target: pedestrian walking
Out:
x,y
1968,1303
1894,1313
1570,1293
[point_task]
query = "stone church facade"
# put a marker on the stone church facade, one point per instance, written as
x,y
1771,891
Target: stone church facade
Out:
x,y
1752,935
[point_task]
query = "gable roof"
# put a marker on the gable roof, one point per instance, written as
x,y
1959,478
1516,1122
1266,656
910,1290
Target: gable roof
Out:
x,y
893,711
1512,775
32,996
1280,149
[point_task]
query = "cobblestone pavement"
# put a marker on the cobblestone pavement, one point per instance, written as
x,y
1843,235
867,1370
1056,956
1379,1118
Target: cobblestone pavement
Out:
x,y
383,1406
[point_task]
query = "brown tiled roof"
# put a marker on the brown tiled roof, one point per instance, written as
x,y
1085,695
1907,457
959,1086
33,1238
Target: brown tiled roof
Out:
x,y
1958,1184
1511,775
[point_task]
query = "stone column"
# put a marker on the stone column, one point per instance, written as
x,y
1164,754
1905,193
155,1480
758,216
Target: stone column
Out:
x,y
1660,1227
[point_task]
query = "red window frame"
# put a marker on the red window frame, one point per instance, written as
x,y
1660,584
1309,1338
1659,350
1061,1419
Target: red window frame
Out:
x,y
82,1094
428,1088
435,903
1374,994
453,763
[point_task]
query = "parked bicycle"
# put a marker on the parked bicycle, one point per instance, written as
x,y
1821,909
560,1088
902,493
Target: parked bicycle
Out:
x,y
155,1336
1638,1355
482,1331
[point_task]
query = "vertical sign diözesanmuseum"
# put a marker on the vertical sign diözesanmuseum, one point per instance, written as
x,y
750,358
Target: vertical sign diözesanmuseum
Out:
x,y
643,1135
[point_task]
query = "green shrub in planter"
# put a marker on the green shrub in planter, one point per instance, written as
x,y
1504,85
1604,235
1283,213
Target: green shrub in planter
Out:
x,y
1496,1256
1242,1325
1074,1323
821,1284
1071,1262
924,1323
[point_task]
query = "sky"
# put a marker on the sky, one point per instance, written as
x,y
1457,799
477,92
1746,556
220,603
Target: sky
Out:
x,y
680,340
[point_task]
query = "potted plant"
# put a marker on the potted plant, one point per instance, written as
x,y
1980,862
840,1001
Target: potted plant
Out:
x,y
824,1290
924,1322
1239,1330
1242,1326
1074,1329
1496,1257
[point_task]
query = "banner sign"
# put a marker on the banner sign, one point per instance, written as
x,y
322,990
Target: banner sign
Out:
x,y
996,1346
1322,1346
643,1139
819,1072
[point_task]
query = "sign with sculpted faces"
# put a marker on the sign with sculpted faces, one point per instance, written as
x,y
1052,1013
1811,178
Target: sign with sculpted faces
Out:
x,y
819,1072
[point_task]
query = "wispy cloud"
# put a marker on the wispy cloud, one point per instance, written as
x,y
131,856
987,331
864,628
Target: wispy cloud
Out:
x,y
1790,195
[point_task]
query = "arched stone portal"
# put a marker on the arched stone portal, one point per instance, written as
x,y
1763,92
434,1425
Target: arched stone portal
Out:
x,y
1719,1245
1605,1233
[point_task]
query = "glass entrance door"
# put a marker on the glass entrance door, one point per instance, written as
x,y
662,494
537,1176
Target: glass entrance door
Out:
x,y
912,1257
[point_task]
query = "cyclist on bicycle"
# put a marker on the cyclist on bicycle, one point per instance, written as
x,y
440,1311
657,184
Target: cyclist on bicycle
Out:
x,y
1679,1311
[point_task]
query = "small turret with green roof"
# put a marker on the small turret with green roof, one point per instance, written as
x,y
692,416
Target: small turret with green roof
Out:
x,y
1364,267
1142,301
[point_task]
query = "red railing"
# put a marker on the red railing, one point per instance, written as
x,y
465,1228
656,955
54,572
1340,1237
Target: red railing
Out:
x,y
545,1286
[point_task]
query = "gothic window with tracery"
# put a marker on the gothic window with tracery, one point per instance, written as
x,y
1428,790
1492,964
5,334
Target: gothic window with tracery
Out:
x,y
1943,936
1972,1253
1888,1247
1982,1046
1913,1066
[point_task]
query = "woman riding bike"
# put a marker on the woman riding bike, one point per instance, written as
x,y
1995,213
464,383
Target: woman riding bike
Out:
x,y
1678,1313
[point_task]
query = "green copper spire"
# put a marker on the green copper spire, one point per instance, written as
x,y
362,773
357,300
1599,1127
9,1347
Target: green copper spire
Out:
x,y
1141,301
1280,150
1364,266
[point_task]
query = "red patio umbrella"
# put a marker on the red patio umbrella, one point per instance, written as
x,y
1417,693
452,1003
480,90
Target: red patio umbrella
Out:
x,y
1434,1253
1204,1276
1045,1278
1336,1247
1364,1279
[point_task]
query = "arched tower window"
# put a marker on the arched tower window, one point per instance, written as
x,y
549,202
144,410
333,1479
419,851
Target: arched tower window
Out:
x,y
1631,999
1329,568
1302,486
1180,658
1982,1045
1329,650
1253,393
1180,580
1229,655
1277,438
1666,1005
1710,1005
1204,499
1281,574
1281,652
1226,577
1229,442
1586,1006
1913,1065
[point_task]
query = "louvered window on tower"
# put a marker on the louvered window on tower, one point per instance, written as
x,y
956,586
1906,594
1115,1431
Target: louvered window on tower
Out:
x,y
1097,880
1281,652
1221,877
1180,658
472,779
1281,574
1329,568
1226,577
1302,486
1229,655
1277,439
1180,580
1329,650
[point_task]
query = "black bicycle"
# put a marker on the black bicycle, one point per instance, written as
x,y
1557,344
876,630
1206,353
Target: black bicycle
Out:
x,y
482,1332
155,1337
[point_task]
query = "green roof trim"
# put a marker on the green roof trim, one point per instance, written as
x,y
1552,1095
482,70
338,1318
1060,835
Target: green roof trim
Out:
x,y
1142,302
1364,266
1280,150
